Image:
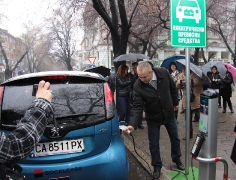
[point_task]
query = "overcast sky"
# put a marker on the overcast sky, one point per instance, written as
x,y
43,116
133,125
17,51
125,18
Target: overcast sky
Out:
x,y
18,12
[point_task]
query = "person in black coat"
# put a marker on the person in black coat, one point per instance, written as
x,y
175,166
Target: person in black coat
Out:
x,y
215,82
123,89
226,91
155,93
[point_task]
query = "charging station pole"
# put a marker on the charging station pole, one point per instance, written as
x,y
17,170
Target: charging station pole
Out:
x,y
208,125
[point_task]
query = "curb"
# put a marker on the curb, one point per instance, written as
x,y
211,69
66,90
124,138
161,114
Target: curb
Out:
x,y
145,155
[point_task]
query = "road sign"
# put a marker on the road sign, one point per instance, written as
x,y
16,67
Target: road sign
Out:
x,y
188,23
92,59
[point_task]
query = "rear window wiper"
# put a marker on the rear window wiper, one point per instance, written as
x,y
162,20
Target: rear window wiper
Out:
x,y
75,115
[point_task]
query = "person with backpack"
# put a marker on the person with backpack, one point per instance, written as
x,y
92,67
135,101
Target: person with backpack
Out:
x,y
226,91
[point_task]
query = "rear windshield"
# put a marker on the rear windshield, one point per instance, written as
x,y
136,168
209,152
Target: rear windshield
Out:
x,y
68,99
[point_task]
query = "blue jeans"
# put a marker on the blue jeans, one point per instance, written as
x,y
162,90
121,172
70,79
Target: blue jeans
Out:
x,y
154,137
125,108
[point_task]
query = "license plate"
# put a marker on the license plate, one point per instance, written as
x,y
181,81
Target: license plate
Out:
x,y
59,147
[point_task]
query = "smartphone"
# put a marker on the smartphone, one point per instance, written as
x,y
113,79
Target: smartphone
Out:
x,y
35,89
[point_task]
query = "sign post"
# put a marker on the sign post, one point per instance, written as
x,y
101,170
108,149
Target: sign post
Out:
x,y
188,29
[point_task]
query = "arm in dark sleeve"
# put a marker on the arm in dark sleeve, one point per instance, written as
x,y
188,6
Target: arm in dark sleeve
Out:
x,y
173,91
228,79
18,144
137,109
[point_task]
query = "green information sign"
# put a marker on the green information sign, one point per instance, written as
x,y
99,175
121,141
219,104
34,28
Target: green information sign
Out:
x,y
188,23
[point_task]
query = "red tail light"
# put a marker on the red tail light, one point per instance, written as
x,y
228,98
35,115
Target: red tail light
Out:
x,y
1,94
108,93
109,101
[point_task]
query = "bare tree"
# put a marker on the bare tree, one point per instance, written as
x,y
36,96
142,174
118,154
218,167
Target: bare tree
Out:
x,y
221,17
61,27
114,15
38,45
19,51
150,29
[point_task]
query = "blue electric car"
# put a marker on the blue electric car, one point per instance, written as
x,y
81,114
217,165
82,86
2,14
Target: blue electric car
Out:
x,y
83,141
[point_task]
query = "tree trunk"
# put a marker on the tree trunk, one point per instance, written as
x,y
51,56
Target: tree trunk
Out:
x,y
8,74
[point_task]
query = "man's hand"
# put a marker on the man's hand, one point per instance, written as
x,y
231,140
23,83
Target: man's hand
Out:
x,y
176,108
44,91
130,128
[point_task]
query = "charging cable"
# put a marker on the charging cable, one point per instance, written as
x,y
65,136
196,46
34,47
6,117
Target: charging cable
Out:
x,y
123,128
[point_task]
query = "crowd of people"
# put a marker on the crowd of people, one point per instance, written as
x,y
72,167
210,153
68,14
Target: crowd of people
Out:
x,y
155,91
147,93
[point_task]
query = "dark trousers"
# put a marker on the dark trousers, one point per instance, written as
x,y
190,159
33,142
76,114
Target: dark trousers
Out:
x,y
125,108
219,100
154,137
226,99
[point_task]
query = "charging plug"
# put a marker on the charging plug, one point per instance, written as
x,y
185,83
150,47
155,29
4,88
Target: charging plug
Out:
x,y
124,128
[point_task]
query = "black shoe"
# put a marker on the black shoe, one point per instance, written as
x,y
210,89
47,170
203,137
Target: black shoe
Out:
x,y
179,165
195,120
140,126
156,173
224,111
232,111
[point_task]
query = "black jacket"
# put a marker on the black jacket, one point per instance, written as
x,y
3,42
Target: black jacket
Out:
x,y
123,86
214,85
157,104
225,87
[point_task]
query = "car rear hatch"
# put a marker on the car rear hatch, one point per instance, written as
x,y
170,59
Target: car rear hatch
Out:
x,y
83,106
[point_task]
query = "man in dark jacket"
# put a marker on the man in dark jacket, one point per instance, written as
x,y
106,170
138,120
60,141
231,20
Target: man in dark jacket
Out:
x,y
156,94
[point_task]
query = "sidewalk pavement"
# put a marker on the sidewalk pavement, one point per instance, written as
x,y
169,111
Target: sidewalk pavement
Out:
x,y
225,141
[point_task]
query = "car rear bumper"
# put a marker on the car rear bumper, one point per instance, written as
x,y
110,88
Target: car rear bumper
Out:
x,y
110,164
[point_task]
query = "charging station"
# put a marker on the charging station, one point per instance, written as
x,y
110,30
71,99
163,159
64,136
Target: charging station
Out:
x,y
208,125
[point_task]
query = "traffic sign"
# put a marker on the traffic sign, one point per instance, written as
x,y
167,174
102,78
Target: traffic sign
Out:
x,y
92,59
188,23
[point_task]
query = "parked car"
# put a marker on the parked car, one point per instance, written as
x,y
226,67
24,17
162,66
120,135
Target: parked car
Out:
x,y
84,141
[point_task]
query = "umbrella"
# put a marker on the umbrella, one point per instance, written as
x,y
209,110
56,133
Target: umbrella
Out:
x,y
130,57
231,69
193,67
104,71
220,67
167,61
